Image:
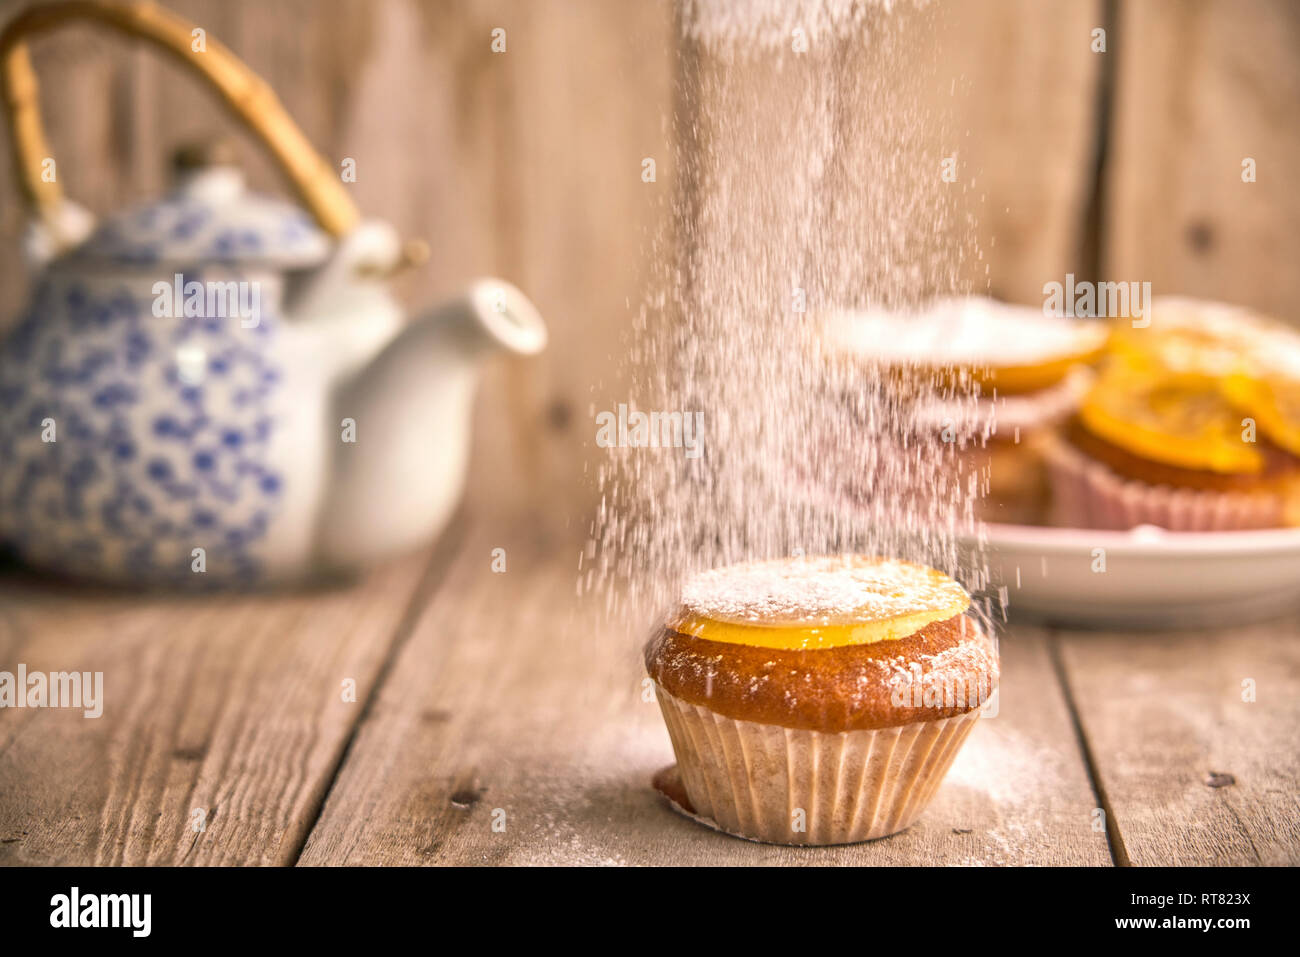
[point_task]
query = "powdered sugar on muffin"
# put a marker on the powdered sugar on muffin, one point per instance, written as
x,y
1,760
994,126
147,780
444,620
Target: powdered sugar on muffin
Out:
x,y
823,591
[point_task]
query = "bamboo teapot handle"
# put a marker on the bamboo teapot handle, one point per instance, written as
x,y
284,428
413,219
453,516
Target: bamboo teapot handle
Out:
x,y
243,92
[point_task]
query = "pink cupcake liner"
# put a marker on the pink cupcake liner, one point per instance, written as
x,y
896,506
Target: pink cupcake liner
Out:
x,y
1087,494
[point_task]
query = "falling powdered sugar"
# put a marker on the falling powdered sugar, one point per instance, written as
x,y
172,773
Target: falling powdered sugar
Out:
x,y
806,185
773,23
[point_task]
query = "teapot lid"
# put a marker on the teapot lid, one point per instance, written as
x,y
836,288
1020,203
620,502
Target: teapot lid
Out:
x,y
208,217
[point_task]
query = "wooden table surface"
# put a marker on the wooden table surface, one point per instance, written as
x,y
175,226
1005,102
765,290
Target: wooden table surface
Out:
x,y
499,718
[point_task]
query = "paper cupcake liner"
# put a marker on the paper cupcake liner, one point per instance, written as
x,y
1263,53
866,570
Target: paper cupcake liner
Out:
x,y
753,780
1087,494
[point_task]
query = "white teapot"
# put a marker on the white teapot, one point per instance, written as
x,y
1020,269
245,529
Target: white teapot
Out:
x,y
218,387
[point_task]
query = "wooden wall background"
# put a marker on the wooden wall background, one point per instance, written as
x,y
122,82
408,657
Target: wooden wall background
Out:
x,y
528,164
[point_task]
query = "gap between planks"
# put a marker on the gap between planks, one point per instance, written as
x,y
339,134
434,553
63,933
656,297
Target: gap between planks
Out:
x,y
1114,837
440,559
1192,739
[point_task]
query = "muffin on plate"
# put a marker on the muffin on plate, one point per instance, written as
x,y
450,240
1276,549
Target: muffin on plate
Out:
x,y
992,378
1192,425
820,700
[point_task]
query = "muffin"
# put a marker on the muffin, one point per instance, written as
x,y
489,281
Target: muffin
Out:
x,y
819,701
1192,425
991,378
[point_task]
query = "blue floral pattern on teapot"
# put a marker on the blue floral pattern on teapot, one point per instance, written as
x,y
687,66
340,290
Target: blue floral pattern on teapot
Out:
x,y
91,369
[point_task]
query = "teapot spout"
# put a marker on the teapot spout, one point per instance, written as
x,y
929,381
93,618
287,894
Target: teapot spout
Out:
x,y
492,314
401,425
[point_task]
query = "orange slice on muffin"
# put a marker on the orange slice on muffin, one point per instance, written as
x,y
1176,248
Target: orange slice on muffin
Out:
x,y
1273,404
1024,379
1211,338
814,603
1177,391
1179,419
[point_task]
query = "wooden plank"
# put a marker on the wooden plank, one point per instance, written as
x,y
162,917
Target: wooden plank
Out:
x,y
581,96
1202,86
1010,87
233,705
514,694
1163,713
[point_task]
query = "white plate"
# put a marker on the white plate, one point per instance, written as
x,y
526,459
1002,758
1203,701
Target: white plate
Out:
x,y
1151,578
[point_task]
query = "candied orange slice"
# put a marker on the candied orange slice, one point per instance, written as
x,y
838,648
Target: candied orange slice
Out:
x,y
1191,335
812,603
1274,405
1179,419
1023,379
1177,350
